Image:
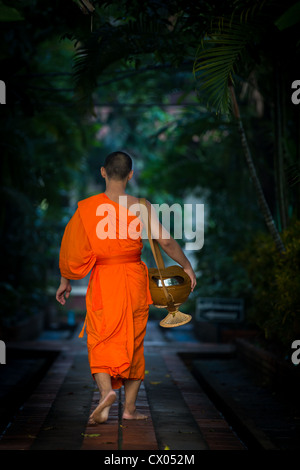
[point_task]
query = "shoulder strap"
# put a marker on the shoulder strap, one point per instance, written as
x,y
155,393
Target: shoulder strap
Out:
x,y
156,251
153,243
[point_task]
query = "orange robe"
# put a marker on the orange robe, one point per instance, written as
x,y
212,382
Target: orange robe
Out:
x,y
105,238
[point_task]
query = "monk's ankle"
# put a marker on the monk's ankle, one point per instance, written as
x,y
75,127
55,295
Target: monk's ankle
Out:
x,y
129,409
104,394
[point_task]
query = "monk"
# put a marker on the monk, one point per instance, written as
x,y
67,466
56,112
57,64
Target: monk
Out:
x,y
104,237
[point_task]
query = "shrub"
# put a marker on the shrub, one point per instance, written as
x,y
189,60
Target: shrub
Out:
x,y
275,280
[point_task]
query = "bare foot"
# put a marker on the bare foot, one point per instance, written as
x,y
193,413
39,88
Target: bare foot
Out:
x,y
100,414
134,415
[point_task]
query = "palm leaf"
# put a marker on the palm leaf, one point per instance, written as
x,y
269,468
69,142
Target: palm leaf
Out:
x,y
112,44
217,60
225,47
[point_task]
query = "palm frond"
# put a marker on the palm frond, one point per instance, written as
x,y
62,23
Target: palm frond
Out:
x,y
111,44
217,61
229,41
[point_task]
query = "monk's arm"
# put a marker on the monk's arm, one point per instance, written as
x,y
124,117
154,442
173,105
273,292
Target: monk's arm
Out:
x,y
76,257
170,246
63,291
173,249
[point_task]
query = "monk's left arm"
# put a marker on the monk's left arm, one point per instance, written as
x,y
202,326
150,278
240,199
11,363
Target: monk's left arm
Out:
x,y
76,258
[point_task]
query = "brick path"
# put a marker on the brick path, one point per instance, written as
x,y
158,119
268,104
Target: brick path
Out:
x,y
181,416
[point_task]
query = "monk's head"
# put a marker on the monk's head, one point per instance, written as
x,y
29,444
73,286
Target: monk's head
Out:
x,y
117,166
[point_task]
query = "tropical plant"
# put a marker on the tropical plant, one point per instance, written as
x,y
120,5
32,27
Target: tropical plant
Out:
x,y
231,48
132,64
275,281
42,140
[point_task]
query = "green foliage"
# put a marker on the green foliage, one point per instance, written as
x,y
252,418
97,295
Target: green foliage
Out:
x,y
197,157
246,40
275,280
133,59
289,18
43,142
9,14
216,63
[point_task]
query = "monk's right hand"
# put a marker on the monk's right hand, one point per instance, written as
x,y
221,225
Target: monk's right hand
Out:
x,y
63,292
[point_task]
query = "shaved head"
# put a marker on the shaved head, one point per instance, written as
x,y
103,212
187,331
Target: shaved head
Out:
x,y
118,165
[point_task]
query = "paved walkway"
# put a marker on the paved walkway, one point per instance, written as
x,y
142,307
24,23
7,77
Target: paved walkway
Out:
x,y
181,416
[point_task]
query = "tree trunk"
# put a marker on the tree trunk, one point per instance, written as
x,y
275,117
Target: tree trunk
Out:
x,y
278,160
259,192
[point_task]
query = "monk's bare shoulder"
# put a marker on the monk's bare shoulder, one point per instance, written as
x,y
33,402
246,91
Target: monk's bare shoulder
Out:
x,y
132,200
135,200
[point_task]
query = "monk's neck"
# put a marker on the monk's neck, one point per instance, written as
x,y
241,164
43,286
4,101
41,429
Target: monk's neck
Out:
x,y
115,189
